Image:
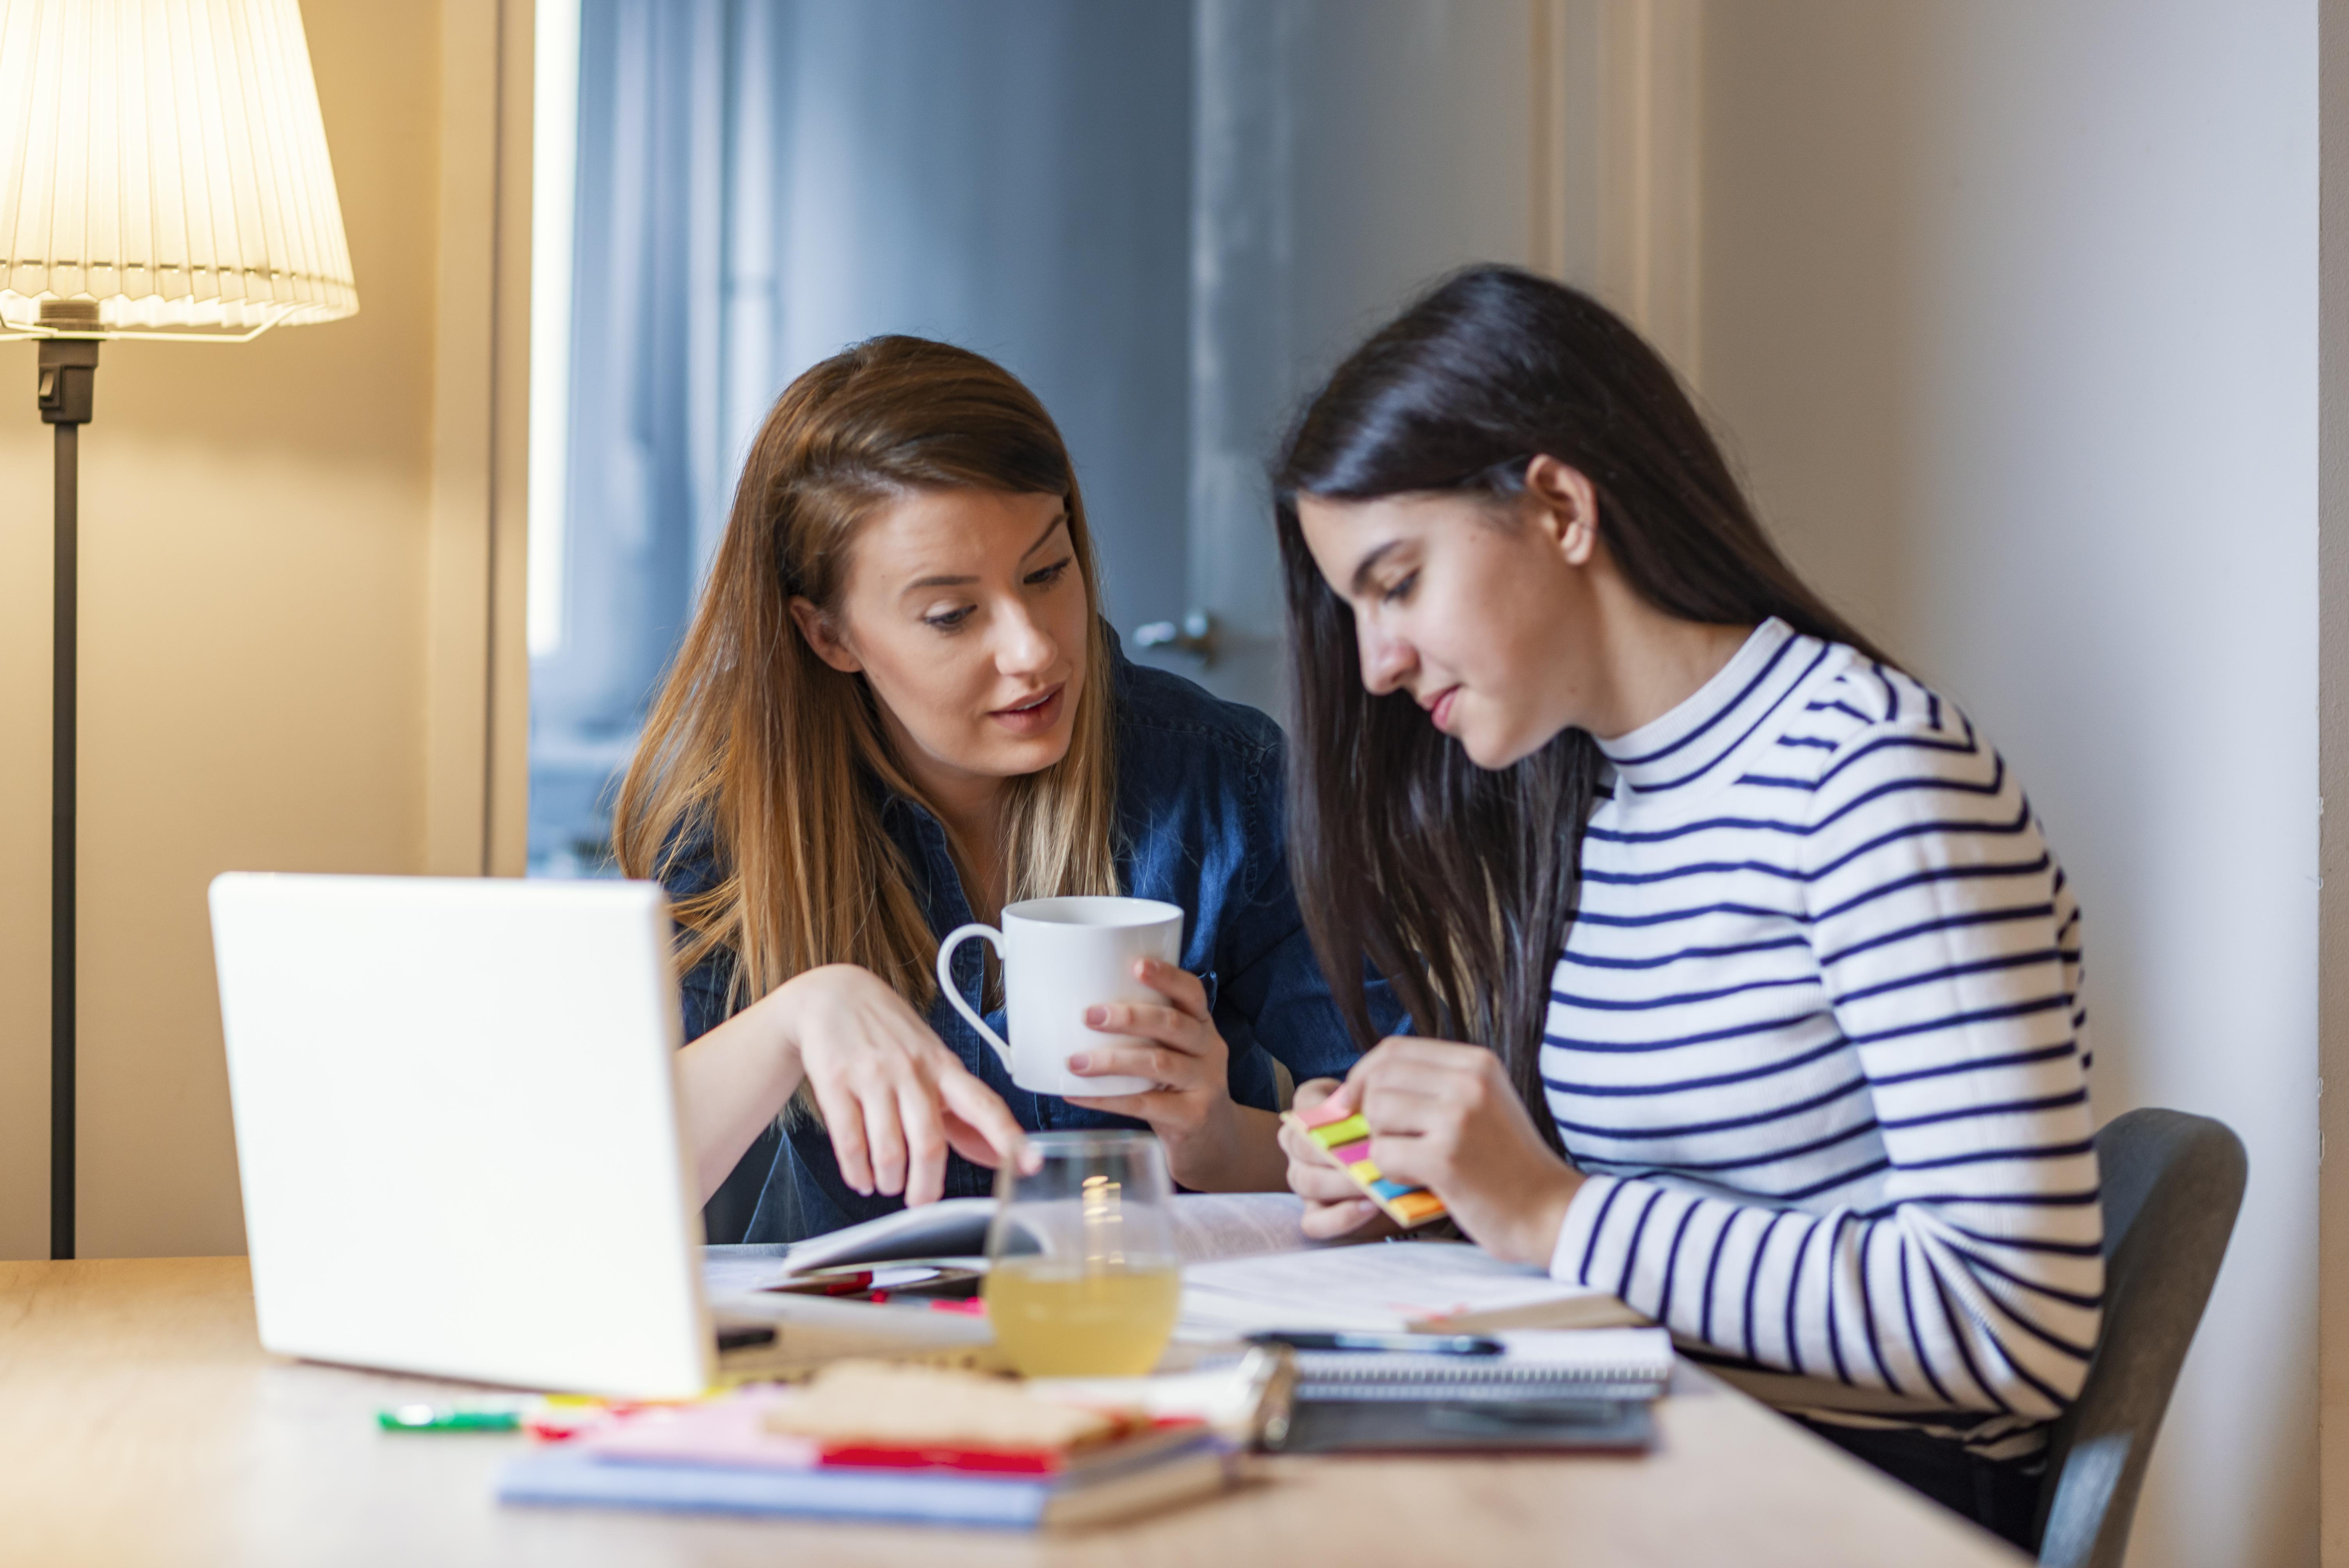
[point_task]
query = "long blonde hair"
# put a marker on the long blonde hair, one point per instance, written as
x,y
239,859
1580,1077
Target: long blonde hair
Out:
x,y
763,755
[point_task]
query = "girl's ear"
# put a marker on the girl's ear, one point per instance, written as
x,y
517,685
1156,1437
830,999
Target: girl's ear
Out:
x,y
1567,504
817,628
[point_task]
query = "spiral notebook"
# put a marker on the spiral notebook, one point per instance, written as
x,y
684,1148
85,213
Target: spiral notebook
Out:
x,y
1581,1389
1534,1364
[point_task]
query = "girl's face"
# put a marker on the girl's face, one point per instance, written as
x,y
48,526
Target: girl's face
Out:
x,y
966,611
1481,610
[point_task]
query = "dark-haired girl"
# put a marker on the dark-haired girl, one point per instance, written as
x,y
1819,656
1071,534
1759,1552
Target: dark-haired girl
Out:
x,y
1772,981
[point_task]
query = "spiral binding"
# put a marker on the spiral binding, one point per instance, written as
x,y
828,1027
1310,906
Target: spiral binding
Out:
x,y
1343,1374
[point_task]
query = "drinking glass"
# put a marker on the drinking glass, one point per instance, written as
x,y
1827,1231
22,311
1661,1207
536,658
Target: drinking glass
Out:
x,y
1082,1278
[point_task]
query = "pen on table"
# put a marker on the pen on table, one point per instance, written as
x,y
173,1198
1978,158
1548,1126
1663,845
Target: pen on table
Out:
x,y
1423,1344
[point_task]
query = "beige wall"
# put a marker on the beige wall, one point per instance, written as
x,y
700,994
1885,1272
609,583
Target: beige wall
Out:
x,y
2010,308
256,525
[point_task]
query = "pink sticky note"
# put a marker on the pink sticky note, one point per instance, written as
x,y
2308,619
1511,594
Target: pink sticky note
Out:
x,y
1328,1111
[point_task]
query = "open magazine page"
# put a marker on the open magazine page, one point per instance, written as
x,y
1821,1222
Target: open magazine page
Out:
x,y
1207,1226
954,1228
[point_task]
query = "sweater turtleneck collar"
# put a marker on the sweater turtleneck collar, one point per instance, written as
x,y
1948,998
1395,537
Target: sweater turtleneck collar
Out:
x,y
1687,744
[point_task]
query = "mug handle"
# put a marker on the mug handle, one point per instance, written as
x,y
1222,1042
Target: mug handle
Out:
x,y
953,993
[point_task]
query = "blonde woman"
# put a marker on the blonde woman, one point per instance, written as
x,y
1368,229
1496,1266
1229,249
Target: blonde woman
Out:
x,y
898,710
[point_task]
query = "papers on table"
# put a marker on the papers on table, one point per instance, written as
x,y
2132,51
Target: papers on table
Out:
x,y
1248,1269
1423,1286
1217,1225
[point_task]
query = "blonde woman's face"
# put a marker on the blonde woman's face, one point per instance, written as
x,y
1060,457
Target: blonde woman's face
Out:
x,y
965,612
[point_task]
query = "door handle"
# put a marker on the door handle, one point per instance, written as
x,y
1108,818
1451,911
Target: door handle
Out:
x,y
1193,637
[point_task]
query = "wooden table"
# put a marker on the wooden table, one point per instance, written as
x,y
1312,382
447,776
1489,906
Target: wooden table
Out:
x,y
141,1423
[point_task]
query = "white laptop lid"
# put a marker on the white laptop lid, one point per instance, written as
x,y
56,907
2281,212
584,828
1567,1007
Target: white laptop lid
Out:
x,y
456,1127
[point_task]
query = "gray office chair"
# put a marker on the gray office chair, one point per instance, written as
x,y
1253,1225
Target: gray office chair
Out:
x,y
2172,1183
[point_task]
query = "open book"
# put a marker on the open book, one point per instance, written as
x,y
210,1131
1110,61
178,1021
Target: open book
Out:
x,y
1247,1268
1206,1225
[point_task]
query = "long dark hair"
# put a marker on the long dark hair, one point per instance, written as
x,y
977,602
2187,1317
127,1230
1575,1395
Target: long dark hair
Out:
x,y
1458,884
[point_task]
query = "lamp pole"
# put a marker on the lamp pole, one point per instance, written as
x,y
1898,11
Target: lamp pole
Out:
x,y
68,367
137,166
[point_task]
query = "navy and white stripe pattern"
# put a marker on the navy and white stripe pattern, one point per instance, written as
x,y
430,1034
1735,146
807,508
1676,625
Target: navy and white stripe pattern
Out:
x,y
1815,1037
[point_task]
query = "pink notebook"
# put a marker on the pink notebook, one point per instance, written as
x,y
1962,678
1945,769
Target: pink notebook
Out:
x,y
729,1432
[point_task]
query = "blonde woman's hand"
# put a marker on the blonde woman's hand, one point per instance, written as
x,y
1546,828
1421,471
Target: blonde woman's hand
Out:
x,y
892,1097
1212,1144
1334,1206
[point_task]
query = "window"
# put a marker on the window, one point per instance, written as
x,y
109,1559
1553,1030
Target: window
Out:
x,y
1166,215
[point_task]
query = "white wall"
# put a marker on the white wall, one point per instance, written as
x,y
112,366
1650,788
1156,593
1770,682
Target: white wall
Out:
x,y
2010,308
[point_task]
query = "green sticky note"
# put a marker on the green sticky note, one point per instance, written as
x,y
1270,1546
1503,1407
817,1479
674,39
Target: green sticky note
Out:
x,y
1338,1134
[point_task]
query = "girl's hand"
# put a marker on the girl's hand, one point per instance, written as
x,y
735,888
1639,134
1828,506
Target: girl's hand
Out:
x,y
1445,1117
893,1097
1212,1144
1334,1206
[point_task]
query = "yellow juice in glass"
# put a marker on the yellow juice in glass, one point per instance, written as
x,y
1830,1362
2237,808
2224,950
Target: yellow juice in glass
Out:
x,y
1066,1320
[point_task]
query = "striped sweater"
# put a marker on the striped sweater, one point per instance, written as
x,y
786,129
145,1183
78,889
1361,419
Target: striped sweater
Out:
x,y
1816,1039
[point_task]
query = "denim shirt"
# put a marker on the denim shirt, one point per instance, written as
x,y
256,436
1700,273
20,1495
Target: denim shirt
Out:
x,y
1199,825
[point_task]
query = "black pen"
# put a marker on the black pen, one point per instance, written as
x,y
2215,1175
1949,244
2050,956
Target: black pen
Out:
x,y
1424,1344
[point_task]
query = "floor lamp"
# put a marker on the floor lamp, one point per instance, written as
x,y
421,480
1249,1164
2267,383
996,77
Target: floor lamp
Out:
x,y
163,173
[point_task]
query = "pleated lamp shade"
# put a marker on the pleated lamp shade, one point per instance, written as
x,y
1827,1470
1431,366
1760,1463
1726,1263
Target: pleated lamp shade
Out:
x,y
164,162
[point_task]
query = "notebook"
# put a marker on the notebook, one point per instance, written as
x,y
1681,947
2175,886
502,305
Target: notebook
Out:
x,y
735,1432
1534,1364
880,1442
1453,1426
563,1475
1589,1388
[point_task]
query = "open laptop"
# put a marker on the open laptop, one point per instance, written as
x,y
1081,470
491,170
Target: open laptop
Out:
x,y
457,1132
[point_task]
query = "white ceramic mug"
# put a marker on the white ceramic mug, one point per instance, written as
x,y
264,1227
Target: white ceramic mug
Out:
x,y
1060,956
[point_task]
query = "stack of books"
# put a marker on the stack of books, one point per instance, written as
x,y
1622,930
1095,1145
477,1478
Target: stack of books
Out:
x,y
881,1443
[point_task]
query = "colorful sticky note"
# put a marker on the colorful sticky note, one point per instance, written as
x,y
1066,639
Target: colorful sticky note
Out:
x,y
1345,1136
1354,1130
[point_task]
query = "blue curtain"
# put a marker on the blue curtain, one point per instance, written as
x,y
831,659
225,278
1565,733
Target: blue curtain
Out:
x,y
764,181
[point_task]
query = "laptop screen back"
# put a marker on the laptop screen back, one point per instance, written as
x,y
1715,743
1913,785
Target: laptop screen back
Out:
x,y
456,1128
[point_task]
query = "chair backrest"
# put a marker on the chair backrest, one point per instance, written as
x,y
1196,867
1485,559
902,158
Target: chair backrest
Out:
x,y
2171,1183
